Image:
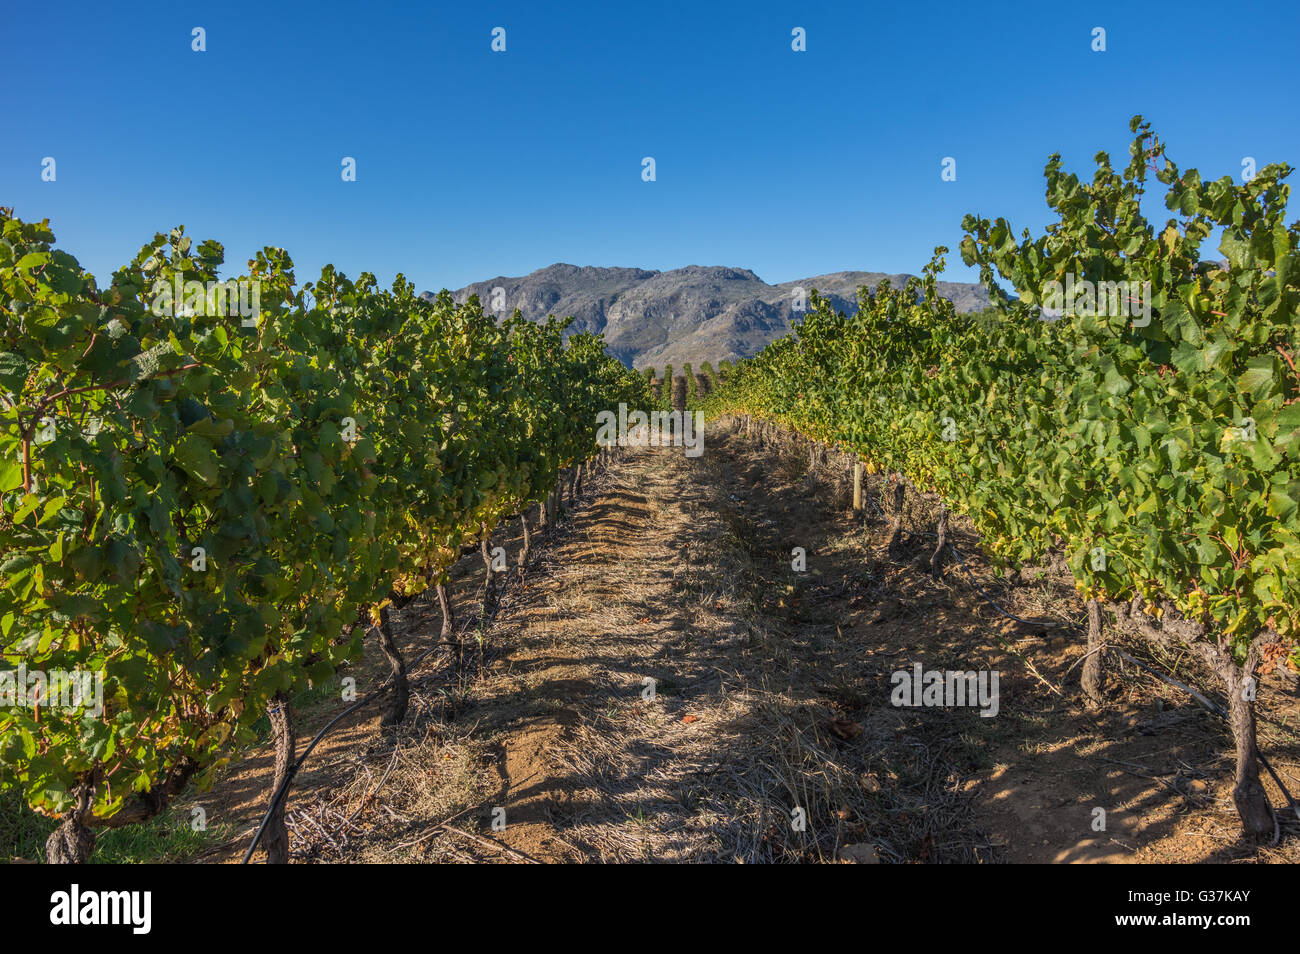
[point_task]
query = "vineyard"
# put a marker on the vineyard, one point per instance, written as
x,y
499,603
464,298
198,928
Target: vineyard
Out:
x,y
221,511
207,510
1158,456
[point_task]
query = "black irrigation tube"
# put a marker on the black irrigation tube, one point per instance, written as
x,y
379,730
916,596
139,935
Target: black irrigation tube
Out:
x,y
283,789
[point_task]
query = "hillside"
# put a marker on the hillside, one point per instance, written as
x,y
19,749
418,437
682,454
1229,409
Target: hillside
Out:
x,y
693,314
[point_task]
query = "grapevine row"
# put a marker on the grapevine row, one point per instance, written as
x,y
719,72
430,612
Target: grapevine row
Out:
x,y
201,508
1159,450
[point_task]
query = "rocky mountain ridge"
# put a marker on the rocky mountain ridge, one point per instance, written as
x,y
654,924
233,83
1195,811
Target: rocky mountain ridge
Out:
x,y
696,314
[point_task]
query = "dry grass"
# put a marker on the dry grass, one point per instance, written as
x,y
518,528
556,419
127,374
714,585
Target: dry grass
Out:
x,y
771,703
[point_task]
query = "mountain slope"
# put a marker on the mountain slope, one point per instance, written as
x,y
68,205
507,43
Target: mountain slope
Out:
x,y
696,314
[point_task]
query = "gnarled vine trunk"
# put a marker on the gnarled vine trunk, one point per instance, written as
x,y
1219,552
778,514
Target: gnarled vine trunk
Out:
x,y
936,558
490,576
896,520
1248,791
276,838
448,620
483,548
1092,670
72,842
401,688
523,552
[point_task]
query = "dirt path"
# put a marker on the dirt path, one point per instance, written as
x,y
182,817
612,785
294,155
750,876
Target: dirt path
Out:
x,y
662,685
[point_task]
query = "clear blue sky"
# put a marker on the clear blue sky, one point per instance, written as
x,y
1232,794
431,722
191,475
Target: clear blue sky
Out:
x,y
473,164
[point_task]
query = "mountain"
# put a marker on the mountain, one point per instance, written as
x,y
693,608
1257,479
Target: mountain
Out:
x,y
693,314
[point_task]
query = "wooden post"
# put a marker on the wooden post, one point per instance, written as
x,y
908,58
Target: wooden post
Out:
x,y
857,486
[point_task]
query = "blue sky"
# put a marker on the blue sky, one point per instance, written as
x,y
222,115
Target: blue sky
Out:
x,y
473,164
